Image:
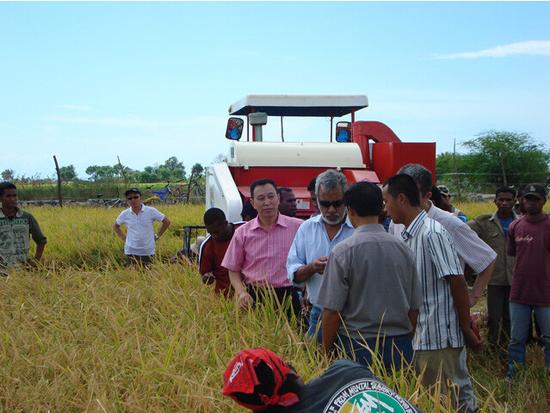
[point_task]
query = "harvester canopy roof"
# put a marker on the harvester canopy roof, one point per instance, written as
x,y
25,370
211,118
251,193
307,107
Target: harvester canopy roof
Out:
x,y
299,105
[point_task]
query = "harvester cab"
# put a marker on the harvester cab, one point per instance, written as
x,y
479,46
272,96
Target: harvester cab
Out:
x,y
361,150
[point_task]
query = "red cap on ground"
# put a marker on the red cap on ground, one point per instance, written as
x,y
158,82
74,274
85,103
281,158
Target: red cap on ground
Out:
x,y
240,377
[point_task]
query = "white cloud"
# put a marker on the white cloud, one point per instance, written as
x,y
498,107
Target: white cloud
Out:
x,y
529,48
80,108
124,121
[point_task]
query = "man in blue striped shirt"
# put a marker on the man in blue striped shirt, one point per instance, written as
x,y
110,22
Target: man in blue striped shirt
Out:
x,y
444,320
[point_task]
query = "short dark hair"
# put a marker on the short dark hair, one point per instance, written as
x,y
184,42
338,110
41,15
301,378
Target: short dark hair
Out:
x,y
365,198
248,210
505,190
261,182
213,216
283,189
311,185
406,185
421,175
266,386
437,197
6,185
132,191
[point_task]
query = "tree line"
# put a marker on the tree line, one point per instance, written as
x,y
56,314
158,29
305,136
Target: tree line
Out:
x,y
171,170
495,158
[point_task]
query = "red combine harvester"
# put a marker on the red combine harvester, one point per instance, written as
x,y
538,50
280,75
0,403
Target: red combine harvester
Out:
x,y
362,150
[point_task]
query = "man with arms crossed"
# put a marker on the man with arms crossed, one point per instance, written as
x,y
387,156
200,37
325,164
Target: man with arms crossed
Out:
x,y
316,238
469,247
139,242
444,319
257,253
370,291
15,227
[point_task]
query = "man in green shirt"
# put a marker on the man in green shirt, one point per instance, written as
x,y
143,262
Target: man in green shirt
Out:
x,y
15,227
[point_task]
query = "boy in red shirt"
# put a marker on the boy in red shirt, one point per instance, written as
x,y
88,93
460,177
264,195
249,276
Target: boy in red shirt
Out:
x,y
529,242
213,249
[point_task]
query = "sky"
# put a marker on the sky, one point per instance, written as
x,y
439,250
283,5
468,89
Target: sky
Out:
x,y
88,82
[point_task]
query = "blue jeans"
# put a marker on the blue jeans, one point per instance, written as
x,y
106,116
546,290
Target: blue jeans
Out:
x,y
520,319
394,351
314,321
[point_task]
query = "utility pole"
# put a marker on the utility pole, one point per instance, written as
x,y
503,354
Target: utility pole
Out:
x,y
457,176
59,197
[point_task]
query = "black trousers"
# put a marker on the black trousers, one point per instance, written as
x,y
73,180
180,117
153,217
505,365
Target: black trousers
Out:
x,y
279,295
498,315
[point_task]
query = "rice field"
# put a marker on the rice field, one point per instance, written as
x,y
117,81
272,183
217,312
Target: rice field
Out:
x,y
83,334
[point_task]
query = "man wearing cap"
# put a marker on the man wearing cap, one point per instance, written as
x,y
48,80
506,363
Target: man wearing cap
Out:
x,y
261,381
529,243
447,206
139,241
213,249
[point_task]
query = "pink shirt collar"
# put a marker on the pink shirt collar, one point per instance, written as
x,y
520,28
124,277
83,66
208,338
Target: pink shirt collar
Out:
x,y
282,221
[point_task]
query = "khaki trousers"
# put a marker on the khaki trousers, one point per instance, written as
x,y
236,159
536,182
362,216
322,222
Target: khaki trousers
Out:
x,y
448,367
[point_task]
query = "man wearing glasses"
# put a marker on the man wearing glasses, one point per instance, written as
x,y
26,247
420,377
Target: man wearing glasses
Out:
x,y
316,238
139,241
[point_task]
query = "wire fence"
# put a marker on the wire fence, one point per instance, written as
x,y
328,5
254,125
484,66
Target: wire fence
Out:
x,y
477,186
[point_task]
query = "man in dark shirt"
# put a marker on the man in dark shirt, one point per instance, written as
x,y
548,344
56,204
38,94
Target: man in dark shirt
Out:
x,y
15,227
261,381
493,229
213,249
529,242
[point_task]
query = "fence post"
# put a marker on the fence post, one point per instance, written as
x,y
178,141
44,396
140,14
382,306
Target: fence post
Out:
x,y
59,197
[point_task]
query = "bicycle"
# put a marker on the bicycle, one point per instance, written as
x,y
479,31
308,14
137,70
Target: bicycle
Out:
x,y
164,194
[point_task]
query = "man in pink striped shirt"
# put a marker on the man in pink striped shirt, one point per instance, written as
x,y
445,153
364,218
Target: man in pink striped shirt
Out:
x,y
256,257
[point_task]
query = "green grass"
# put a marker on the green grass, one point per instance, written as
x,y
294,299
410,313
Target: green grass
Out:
x,y
82,333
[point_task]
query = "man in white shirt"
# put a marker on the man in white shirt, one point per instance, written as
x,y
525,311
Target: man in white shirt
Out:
x,y
469,247
139,241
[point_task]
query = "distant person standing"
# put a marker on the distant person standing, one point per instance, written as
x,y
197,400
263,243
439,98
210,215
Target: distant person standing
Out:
x,y
493,229
287,205
529,243
139,241
15,227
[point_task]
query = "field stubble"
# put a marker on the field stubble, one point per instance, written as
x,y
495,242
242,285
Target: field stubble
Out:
x,y
82,333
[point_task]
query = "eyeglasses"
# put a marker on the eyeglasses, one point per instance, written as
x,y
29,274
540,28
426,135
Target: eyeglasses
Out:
x,y
328,204
132,197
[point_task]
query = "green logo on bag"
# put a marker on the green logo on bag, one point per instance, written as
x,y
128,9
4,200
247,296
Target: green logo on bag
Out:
x,y
367,396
